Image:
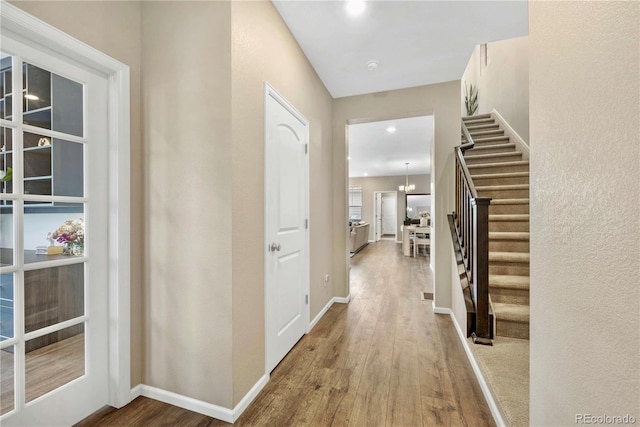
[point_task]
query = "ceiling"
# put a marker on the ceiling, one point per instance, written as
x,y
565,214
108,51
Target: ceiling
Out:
x,y
414,42
377,152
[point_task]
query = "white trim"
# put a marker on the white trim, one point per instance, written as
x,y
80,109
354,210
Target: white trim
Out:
x,y
493,406
199,406
371,241
185,402
440,310
23,26
514,137
339,300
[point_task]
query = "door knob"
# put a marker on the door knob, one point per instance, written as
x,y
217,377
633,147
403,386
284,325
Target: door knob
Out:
x,y
275,247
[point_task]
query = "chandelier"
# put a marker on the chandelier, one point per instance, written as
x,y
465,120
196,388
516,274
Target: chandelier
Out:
x,y
407,187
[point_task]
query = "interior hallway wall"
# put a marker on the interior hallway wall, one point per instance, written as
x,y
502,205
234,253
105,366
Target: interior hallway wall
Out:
x,y
116,33
585,199
263,49
443,101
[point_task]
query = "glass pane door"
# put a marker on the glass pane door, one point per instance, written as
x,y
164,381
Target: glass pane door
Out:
x,y
53,293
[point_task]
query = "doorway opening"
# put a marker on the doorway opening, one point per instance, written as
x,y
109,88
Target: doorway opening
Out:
x,y
385,215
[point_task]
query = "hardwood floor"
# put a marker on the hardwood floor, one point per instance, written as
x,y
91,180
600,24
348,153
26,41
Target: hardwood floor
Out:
x,y
385,359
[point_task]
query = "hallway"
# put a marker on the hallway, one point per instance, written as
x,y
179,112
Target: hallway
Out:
x,y
383,359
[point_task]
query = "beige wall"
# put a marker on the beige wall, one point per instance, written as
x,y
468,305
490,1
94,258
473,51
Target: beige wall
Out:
x,y
116,33
264,50
585,199
186,112
503,84
388,183
441,100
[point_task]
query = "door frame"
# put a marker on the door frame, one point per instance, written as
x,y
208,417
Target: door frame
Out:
x,y
377,234
18,24
270,92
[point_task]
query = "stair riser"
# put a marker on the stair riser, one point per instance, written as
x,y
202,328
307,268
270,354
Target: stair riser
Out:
x,y
506,328
512,180
480,170
486,133
479,142
506,157
482,127
509,245
508,225
504,194
511,268
508,209
498,148
509,296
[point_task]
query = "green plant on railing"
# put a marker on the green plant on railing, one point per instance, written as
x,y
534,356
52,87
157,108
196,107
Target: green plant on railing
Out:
x,y
470,99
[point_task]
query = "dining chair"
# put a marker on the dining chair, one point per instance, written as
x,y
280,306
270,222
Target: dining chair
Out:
x,y
421,238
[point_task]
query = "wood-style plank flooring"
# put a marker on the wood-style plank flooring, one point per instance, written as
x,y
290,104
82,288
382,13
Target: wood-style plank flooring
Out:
x,y
385,359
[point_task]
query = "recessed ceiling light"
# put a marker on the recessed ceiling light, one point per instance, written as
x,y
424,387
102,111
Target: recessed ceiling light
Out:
x,y
391,129
348,157
372,65
366,174
355,7
31,97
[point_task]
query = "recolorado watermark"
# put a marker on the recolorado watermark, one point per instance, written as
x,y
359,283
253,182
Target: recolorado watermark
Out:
x,y
605,419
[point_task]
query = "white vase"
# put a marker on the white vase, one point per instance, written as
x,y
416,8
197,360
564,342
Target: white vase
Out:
x,y
424,221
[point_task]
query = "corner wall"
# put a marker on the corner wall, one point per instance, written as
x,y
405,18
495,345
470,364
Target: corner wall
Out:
x,y
440,100
585,199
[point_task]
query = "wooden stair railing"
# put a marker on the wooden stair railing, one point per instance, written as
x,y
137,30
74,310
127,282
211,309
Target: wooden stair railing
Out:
x,y
471,223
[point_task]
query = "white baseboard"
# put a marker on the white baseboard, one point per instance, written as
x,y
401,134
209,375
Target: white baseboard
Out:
x,y
205,408
339,300
440,310
493,406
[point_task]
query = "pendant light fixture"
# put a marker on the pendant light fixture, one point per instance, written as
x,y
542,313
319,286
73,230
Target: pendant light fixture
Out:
x,y
406,187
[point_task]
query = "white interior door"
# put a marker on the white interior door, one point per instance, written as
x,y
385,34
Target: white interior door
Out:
x,y
389,213
54,342
286,227
378,216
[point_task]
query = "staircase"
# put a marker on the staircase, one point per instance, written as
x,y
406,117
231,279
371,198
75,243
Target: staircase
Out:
x,y
499,171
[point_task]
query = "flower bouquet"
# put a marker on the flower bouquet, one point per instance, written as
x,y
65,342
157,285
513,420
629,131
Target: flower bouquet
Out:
x,y
71,235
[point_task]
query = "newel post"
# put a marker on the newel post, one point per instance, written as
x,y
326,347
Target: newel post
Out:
x,y
481,268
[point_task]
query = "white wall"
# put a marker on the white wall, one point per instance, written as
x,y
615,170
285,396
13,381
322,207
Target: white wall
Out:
x,y
585,204
503,84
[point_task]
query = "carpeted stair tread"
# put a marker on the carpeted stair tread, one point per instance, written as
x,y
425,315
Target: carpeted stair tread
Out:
x,y
484,126
510,202
508,217
498,165
486,133
506,281
501,175
508,235
492,139
509,257
492,157
518,313
480,148
502,187
477,116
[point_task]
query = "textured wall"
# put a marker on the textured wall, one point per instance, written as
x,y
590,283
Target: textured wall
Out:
x,y
263,49
441,100
116,33
585,199
186,111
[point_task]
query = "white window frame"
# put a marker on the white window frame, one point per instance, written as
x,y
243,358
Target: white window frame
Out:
x,y
18,24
